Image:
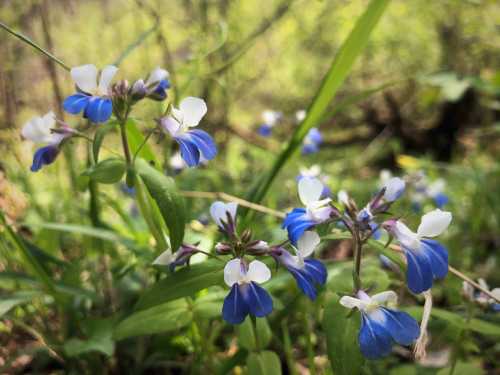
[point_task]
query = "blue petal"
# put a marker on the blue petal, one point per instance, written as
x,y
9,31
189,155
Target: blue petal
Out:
x,y
235,308
402,327
189,152
374,340
314,136
441,199
292,216
204,142
304,282
438,257
265,130
309,148
76,103
419,273
99,109
44,156
316,271
377,233
259,302
297,229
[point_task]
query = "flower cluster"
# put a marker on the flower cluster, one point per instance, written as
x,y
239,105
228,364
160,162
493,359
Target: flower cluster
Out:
x,y
97,99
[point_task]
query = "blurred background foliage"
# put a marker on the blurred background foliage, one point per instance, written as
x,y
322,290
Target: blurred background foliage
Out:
x,y
428,99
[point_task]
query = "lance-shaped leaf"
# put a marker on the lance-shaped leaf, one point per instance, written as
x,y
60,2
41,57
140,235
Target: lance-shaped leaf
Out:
x,y
171,204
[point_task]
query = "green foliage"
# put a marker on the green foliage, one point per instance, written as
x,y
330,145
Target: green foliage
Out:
x,y
341,328
263,363
171,204
109,171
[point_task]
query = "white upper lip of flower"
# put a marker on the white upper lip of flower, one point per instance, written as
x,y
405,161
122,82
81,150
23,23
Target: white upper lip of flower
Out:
x,y
219,210
157,75
38,129
165,258
365,303
310,190
85,77
235,272
189,114
432,224
306,245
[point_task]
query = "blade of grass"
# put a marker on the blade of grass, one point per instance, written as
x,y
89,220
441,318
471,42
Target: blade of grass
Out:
x,y
338,72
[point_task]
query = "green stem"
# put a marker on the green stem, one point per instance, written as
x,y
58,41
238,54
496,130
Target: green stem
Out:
x,y
358,247
27,40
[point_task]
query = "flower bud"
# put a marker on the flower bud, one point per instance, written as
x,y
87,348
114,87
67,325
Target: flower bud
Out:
x,y
138,90
223,248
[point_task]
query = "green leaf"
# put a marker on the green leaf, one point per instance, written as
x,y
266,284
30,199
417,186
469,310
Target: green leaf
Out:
x,y
264,334
136,139
338,72
16,299
246,335
342,337
99,138
463,368
183,283
159,319
100,339
263,363
108,171
171,204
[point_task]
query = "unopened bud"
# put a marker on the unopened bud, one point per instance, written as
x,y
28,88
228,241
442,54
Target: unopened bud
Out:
x,y
138,90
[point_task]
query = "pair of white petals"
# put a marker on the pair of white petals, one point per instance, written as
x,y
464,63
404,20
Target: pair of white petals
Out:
x,y
310,191
365,302
432,224
189,114
219,210
235,272
85,77
38,129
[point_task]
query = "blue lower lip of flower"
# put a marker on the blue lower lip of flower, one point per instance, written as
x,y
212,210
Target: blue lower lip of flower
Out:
x,y
440,200
296,223
265,130
44,156
310,148
160,91
195,143
244,299
311,275
376,337
97,109
426,264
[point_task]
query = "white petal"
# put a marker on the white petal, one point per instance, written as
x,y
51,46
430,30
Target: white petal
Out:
x,y
434,223
258,272
271,117
107,75
193,109
232,272
496,293
394,188
343,197
156,76
307,243
38,128
85,77
310,190
170,125
351,302
436,187
218,211
384,297
406,236
164,259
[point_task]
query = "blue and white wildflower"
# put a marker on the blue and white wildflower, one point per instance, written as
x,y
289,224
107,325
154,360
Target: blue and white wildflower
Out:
x,y
381,326
270,119
246,296
93,98
427,259
312,141
194,144
39,130
436,191
179,258
481,298
308,272
155,87
316,210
